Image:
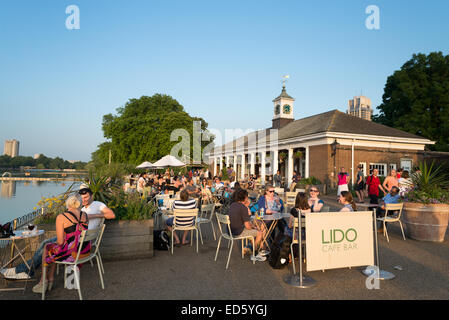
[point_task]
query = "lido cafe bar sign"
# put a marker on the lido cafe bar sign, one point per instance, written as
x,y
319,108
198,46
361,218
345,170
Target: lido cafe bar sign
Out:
x,y
339,240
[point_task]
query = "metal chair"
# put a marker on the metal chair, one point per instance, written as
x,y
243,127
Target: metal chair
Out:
x,y
227,234
185,219
207,212
94,235
388,219
290,198
295,239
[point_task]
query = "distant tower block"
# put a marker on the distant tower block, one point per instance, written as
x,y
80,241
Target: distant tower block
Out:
x,y
11,148
360,107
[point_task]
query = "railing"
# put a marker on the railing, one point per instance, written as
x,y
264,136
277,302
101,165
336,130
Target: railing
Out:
x,y
28,218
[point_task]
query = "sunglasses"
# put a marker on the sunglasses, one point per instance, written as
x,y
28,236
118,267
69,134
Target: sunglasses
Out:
x,y
271,191
313,190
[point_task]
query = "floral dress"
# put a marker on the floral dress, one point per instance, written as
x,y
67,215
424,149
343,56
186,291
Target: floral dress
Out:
x,y
69,249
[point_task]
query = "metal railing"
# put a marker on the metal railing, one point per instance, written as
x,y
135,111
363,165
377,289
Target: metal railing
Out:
x,y
28,218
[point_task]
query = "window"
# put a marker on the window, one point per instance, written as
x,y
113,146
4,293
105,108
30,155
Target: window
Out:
x,y
406,164
363,164
382,167
392,166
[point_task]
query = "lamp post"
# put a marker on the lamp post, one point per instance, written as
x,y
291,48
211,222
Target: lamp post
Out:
x,y
334,147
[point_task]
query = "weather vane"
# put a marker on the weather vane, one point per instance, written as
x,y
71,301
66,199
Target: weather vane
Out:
x,y
284,79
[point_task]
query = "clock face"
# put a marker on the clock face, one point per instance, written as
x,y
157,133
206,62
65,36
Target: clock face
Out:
x,y
287,109
277,109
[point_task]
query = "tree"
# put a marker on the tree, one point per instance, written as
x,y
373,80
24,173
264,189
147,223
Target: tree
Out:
x,y
141,130
416,99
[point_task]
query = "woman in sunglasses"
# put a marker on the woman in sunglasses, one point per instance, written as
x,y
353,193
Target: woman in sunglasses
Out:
x,y
315,203
272,204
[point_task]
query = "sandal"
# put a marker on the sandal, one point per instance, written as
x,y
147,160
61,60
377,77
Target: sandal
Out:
x,y
38,288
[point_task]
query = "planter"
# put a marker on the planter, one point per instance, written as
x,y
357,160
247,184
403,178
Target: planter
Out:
x,y
425,222
123,240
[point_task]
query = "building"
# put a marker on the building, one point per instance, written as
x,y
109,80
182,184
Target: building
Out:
x,y
36,156
318,146
11,148
360,107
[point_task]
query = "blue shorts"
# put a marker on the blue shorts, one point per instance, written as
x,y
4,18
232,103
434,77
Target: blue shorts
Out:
x,y
169,222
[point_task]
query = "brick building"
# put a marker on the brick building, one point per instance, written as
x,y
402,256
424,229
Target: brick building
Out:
x,y
318,146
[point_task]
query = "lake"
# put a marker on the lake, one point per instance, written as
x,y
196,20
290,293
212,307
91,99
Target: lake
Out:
x,y
18,198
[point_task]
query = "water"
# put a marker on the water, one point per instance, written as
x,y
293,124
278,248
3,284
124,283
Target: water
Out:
x,y
18,198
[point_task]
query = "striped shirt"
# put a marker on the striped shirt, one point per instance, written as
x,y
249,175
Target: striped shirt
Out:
x,y
184,221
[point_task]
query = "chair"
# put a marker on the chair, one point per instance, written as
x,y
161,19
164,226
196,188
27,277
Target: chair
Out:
x,y
164,197
227,234
171,193
94,235
290,198
387,219
295,240
279,191
185,219
206,214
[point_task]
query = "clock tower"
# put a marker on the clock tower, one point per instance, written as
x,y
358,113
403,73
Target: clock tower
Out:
x,y
283,109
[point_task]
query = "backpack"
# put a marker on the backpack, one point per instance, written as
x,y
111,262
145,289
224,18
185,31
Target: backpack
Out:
x,y
279,251
161,240
6,230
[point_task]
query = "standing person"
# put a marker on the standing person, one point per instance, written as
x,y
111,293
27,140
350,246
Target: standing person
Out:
x,y
277,179
95,210
399,174
315,203
295,179
391,181
347,201
372,186
141,183
360,185
343,180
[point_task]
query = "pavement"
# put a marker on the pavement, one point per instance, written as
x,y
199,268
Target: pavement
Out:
x,y
188,275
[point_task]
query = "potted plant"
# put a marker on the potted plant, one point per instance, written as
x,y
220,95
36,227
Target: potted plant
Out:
x,y
426,204
282,156
297,155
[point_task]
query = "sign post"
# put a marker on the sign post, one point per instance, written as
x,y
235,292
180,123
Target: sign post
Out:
x,y
375,270
300,280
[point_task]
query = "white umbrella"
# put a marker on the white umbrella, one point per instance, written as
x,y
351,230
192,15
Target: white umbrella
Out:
x,y
168,161
144,165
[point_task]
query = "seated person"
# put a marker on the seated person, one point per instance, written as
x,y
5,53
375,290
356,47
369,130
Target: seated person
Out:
x,y
272,204
217,184
68,225
301,205
391,197
315,203
192,188
183,203
239,216
347,201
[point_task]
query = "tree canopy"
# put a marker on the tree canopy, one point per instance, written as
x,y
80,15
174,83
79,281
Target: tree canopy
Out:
x,y
42,162
141,130
416,99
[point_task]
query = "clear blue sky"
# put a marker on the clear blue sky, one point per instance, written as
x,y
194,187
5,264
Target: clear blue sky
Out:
x,y
222,60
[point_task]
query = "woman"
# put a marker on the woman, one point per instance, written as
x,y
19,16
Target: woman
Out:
x,y
183,203
301,205
315,203
391,181
271,205
69,226
347,201
206,195
360,185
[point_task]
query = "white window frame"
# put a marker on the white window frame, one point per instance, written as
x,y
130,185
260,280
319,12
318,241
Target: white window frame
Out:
x,y
407,159
363,164
392,166
374,165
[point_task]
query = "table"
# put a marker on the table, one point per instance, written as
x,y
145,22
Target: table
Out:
x,y
19,235
368,206
275,217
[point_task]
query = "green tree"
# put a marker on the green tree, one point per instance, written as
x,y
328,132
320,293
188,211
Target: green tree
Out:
x,y
141,130
416,99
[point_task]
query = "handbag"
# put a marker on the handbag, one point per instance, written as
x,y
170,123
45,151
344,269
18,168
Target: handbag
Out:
x,y
6,231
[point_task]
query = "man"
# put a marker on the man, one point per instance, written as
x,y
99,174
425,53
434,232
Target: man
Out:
x,y
192,189
239,216
277,179
372,187
343,180
95,210
391,197
218,184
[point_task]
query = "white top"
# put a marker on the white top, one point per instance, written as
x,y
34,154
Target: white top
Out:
x,y
94,208
139,182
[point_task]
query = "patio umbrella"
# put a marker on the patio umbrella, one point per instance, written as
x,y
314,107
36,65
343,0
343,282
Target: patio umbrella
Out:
x,y
144,165
168,161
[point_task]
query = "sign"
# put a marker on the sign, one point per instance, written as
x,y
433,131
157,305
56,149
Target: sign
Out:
x,y
339,240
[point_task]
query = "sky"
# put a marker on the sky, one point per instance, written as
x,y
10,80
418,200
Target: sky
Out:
x,y
222,60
